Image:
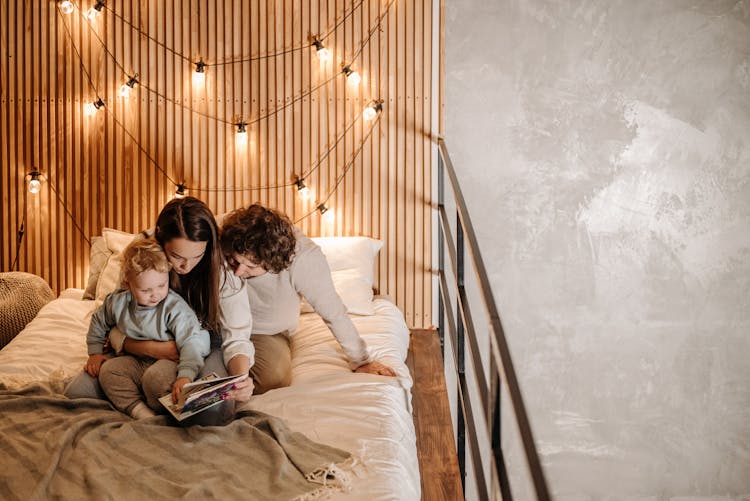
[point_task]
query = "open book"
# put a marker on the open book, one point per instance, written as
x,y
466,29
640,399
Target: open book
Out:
x,y
199,395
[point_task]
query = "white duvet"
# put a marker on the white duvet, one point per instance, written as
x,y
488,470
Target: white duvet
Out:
x,y
369,416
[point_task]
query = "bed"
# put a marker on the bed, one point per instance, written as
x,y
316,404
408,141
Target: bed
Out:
x,y
368,416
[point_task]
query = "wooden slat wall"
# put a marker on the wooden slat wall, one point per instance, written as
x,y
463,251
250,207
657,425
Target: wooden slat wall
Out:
x,y
118,167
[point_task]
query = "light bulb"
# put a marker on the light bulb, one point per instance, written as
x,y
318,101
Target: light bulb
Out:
x,y
302,190
199,75
180,192
128,86
324,54
353,78
372,110
34,184
94,11
66,7
124,90
326,214
369,113
91,108
240,138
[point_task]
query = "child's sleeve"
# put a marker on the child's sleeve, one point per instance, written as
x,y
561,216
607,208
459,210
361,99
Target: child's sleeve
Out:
x,y
102,320
193,341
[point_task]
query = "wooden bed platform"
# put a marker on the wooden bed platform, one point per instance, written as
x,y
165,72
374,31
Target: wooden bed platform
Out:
x,y
438,463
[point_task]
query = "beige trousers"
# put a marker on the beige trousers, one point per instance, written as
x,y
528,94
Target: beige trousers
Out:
x,y
273,362
122,379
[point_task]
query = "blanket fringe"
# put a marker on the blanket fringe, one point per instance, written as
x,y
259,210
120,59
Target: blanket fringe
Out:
x,y
332,477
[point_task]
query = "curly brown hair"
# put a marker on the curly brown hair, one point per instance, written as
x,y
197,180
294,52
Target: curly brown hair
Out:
x,y
265,236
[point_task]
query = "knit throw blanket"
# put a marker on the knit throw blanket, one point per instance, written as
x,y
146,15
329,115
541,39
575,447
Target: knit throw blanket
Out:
x,y
21,297
55,448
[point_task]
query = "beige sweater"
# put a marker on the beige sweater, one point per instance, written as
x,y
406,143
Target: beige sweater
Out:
x,y
275,301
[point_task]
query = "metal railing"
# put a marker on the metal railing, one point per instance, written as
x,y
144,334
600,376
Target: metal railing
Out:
x,y
462,335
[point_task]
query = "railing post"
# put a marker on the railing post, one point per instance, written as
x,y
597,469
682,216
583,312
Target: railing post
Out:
x,y
460,357
441,255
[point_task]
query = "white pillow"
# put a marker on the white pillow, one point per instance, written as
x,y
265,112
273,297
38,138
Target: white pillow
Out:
x,y
351,253
110,279
355,292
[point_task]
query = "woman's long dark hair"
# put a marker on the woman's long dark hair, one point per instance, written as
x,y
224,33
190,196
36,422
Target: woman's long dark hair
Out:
x,y
190,218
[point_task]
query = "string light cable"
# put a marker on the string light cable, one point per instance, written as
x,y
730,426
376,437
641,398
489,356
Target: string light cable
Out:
x,y
328,33
292,102
164,172
322,202
109,112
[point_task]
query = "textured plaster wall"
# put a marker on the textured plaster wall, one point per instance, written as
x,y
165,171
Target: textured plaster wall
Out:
x,y
604,149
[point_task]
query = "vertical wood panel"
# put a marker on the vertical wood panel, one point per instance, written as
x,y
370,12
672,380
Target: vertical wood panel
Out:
x,y
119,166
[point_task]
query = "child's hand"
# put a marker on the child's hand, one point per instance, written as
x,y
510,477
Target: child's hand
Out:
x,y
177,387
94,363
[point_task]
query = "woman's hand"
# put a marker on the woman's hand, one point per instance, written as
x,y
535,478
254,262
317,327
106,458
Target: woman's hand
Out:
x,y
242,391
240,364
376,368
177,388
160,350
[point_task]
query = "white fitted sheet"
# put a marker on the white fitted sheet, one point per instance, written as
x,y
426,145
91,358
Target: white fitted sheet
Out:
x,y
369,416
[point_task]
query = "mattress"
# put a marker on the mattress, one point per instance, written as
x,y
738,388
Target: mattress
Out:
x,y
367,415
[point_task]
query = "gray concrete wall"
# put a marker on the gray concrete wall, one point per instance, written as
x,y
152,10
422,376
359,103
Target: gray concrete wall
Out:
x,y
604,149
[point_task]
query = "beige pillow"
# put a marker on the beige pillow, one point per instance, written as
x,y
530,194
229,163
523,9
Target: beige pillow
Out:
x,y
97,260
110,279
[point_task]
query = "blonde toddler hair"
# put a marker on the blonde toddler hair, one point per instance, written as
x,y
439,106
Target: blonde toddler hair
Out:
x,y
141,255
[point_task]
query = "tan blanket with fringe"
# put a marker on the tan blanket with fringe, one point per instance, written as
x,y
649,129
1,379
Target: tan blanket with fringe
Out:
x,y
52,447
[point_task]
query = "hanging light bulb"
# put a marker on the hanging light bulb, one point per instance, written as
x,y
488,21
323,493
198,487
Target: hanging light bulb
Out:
x,y
128,86
34,183
302,190
180,192
91,108
199,75
323,53
372,109
94,11
240,137
66,6
352,77
326,213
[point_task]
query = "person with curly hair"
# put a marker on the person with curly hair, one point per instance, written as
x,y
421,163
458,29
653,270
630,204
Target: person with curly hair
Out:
x,y
278,264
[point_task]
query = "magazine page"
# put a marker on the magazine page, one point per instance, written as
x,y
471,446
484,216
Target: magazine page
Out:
x,y
200,395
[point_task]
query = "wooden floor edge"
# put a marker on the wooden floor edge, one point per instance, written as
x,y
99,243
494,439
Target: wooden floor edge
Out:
x,y
436,450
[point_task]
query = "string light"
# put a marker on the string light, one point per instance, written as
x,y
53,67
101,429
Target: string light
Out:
x,y
94,11
128,86
241,137
199,75
372,109
323,53
326,213
66,6
352,77
302,190
91,108
34,182
181,189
